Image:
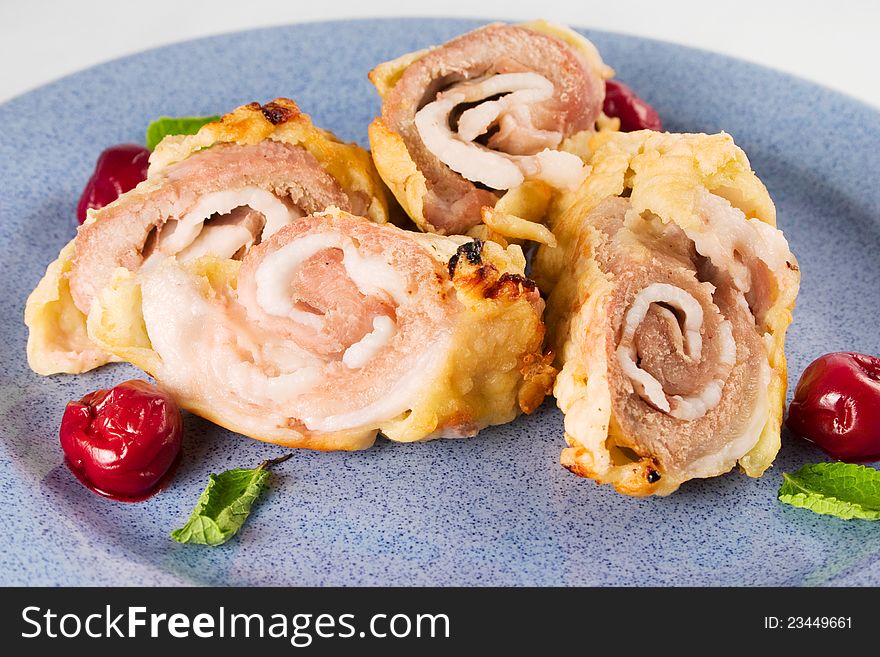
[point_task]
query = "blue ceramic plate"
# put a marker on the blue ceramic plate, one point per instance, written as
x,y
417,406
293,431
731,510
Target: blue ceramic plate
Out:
x,y
497,509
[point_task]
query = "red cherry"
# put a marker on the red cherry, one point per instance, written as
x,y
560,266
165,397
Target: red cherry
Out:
x,y
118,169
633,112
837,406
122,442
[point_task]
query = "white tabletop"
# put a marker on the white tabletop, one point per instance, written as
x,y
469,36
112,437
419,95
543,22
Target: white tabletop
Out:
x,y
832,43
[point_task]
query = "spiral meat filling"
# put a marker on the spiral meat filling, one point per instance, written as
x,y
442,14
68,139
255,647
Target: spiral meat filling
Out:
x,y
669,297
685,362
335,328
315,311
497,110
482,114
668,385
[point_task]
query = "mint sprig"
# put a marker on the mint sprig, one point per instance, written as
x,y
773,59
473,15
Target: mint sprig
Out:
x,y
844,490
171,125
225,504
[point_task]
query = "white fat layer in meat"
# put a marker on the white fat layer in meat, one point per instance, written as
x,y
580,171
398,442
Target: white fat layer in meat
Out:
x,y
210,354
645,385
273,277
688,407
460,152
469,159
252,383
372,275
398,400
360,353
187,230
738,446
521,89
672,296
691,407
181,322
731,241
222,241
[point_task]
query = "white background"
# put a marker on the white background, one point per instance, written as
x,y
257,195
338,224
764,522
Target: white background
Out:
x,y
835,43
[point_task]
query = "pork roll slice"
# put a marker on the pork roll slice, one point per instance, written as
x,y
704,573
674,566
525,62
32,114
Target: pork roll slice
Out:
x,y
218,192
335,328
672,290
498,110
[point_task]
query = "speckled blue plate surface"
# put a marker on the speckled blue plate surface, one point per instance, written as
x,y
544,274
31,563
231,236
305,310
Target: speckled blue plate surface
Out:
x,y
497,509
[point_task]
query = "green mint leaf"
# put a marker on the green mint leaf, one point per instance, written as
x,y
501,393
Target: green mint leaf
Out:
x,y
170,125
225,504
844,490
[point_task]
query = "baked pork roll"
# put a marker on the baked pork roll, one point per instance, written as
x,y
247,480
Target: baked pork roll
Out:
x,y
672,290
218,192
500,111
336,328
